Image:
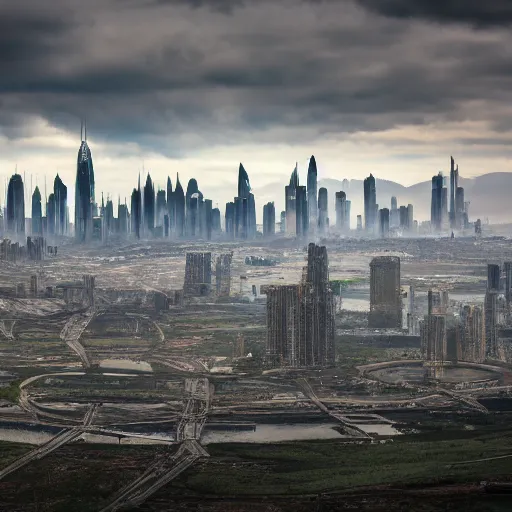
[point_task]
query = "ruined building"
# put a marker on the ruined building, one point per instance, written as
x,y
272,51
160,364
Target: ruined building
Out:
x,y
385,296
223,274
491,309
471,334
198,274
300,318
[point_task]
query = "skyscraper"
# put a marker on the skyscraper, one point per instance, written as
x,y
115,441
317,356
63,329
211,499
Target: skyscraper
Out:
x,y
370,203
245,208
37,213
84,192
136,210
290,203
342,214
149,205
179,207
191,207
454,183
301,211
16,205
436,203
60,192
269,220
171,208
384,222
161,208
323,211
312,195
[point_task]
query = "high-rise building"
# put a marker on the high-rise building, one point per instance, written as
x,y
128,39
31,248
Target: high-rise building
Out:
x,y
291,203
507,269
60,192
171,208
136,210
179,207
269,220
229,221
149,205
37,213
216,226
50,215
245,207
454,183
459,208
385,297
435,207
301,211
282,222
191,207
359,223
223,274
394,215
161,208
491,310
84,193
323,211
471,334
341,210
16,205
384,222
300,318
410,217
370,203
123,218
312,195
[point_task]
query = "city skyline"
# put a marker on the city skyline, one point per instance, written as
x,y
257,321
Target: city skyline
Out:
x,y
202,98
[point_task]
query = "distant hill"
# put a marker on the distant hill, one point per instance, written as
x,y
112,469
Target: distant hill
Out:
x,y
489,196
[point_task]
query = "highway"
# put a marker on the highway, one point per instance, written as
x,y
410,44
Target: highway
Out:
x,y
63,437
352,429
165,469
72,332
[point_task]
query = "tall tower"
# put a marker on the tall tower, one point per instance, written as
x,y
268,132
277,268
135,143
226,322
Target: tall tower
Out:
x,y
60,192
16,205
37,213
436,202
291,203
454,183
84,191
370,203
312,194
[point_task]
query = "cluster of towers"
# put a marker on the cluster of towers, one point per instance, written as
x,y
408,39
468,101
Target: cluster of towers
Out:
x,y
306,208
457,217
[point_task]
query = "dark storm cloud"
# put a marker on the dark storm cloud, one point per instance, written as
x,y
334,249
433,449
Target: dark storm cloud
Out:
x,y
220,72
480,13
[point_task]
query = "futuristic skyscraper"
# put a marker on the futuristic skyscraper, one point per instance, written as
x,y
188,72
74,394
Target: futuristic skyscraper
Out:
x,y
312,194
149,205
245,208
370,203
37,215
60,192
84,192
16,205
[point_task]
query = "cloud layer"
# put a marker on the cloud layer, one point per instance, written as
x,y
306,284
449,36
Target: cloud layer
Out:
x,y
196,86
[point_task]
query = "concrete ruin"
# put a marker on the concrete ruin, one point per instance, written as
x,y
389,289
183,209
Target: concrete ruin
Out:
x,y
198,274
385,293
300,318
223,274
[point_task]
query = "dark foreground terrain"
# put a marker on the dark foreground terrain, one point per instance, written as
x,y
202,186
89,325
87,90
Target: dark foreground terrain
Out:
x,y
414,472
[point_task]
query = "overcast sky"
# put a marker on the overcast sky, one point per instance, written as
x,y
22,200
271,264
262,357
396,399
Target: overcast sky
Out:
x,y
391,87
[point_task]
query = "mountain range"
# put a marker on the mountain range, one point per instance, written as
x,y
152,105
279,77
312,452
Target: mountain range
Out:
x,y
489,196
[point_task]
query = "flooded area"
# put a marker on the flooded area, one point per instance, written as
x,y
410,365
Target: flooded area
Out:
x,y
126,364
273,433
